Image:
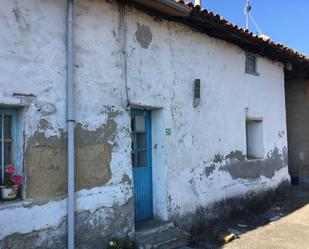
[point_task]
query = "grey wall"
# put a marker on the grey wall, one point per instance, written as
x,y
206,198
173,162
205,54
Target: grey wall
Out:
x,y
297,105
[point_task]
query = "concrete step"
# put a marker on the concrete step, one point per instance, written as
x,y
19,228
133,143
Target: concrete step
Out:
x,y
165,237
151,226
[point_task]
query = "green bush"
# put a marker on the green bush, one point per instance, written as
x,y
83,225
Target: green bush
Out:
x,y
128,243
116,244
113,244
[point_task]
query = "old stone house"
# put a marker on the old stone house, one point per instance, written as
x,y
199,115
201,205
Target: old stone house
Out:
x,y
175,110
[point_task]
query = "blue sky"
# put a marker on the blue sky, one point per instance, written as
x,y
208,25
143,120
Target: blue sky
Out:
x,y
283,21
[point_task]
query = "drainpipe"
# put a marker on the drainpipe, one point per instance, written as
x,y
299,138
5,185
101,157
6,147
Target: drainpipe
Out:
x,y
70,126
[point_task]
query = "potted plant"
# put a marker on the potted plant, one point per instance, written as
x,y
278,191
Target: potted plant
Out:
x,y
11,183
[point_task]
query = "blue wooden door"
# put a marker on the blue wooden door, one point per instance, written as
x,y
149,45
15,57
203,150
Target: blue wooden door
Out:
x,y
141,162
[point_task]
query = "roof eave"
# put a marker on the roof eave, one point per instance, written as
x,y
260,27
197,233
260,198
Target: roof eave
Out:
x,y
217,27
166,7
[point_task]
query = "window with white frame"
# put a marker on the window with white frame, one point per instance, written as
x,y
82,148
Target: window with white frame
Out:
x,y
254,134
8,139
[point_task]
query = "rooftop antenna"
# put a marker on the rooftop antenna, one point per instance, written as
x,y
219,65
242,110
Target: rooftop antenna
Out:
x,y
247,11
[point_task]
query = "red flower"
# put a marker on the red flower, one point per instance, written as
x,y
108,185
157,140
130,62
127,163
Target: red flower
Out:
x,y
17,180
9,169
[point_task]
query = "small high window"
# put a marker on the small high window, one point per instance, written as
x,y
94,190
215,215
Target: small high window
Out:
x,y
254,133
251,64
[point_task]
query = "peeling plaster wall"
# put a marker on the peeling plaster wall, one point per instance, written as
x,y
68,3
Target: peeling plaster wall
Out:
x,y
158,60
161,73
33,62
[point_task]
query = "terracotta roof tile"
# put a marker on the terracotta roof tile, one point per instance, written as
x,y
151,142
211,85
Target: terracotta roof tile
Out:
x,y
220,19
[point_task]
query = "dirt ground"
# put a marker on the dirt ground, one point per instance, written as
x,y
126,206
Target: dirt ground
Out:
x,y
285,225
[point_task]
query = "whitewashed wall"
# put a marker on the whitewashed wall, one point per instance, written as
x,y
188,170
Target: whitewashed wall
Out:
x,y
163,76
159,73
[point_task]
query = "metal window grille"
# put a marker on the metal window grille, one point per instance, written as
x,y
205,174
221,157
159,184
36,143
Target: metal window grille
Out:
x,y
8,139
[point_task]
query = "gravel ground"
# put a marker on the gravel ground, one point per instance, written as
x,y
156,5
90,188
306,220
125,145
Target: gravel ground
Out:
x,y
283,226
289,232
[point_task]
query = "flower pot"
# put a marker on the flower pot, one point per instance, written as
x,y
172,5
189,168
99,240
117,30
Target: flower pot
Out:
x,y
9,193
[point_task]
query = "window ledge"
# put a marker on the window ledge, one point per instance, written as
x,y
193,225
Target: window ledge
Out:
x,y
255,159
253,73
14,204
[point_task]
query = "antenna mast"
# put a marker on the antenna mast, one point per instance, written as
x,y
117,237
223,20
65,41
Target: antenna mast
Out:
x,y
247,12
